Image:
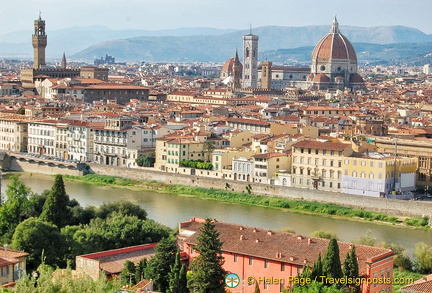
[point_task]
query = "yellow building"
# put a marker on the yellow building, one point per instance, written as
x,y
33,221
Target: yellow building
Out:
x,y
318,164
171,151
12,265
378,175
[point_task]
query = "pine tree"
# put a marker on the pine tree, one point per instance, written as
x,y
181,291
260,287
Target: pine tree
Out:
x,y
160,264
317,269
351,269
331,262
55,209
208,274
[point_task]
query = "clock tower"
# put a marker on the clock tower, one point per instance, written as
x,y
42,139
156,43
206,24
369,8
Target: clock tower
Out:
x,y
39,41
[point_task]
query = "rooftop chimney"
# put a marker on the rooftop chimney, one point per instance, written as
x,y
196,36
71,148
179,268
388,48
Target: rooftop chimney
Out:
x,y
255,230
269,232
309,241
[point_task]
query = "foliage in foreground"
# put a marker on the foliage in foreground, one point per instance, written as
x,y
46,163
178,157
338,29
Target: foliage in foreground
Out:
x,y
62,281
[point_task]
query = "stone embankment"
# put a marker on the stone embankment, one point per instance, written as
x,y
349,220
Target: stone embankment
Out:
x,y
385,205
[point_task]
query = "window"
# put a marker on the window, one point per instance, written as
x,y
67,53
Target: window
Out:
x,y
5,271
235,257
282,267
266,263
250,260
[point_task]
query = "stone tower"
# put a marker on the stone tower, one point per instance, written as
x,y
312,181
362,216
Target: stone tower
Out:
x,y
266,74
237,69
250,60
63,62
39,41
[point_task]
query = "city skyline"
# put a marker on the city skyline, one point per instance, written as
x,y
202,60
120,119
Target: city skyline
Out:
x,y
224,14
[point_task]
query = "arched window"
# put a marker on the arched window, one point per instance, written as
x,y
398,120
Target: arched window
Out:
x,y
371,175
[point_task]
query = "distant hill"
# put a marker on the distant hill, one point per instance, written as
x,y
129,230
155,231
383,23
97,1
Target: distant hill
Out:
x,y
219,48
371,54
75,39
207,44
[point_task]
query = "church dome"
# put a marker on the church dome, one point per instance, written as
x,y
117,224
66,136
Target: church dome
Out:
x,y
334,45
227,67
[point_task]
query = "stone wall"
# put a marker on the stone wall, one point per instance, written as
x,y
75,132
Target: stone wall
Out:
x,y
385,205
36,167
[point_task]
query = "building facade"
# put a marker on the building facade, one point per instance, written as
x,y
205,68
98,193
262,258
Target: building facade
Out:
x,y
255,255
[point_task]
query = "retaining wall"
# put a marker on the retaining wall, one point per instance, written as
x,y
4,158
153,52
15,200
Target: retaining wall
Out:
x,y
385,205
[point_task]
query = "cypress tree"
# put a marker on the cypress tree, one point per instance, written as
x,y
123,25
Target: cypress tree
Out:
x,y
177,277
160,264
208,274
140,269
317,269
55,209
331,262
351,269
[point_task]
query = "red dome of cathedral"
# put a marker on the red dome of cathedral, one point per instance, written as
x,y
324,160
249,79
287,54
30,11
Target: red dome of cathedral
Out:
x,y
334,46
227,67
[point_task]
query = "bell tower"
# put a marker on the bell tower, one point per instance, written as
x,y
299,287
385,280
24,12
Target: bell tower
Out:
x,y
250,60
39,41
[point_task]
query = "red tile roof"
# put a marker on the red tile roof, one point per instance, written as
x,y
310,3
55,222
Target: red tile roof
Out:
x,y
281,246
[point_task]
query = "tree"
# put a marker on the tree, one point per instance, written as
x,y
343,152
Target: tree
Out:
x,y
351,269
160,264
423,258
331,261
208,274
140,269
13,210
39,238
208,148
50,281
127,275
366,239
177,277
123,207
317,269
147,160
55,209
323,234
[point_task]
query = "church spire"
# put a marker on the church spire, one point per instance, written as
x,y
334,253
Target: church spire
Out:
x,y
335,26
63,63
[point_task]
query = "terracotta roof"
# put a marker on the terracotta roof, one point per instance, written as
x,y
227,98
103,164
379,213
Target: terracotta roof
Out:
x,y
112,261
282,246
313,144
334,45
423,285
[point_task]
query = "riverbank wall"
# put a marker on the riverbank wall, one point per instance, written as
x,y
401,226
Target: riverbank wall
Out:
x,y
37,167
384,205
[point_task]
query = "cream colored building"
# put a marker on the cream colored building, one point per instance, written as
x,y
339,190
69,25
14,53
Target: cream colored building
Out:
x,y
378,175
267,165
13,134
318,164
42,138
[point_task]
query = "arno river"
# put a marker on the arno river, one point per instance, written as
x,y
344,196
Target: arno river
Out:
x,y
172,209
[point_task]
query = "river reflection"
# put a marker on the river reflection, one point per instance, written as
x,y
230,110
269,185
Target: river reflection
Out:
x,y
171,209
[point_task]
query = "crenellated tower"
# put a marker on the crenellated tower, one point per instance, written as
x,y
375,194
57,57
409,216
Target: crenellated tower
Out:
x,y
39,41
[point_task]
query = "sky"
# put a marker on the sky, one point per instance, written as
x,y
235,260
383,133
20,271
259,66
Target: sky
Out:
x,y
18,15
